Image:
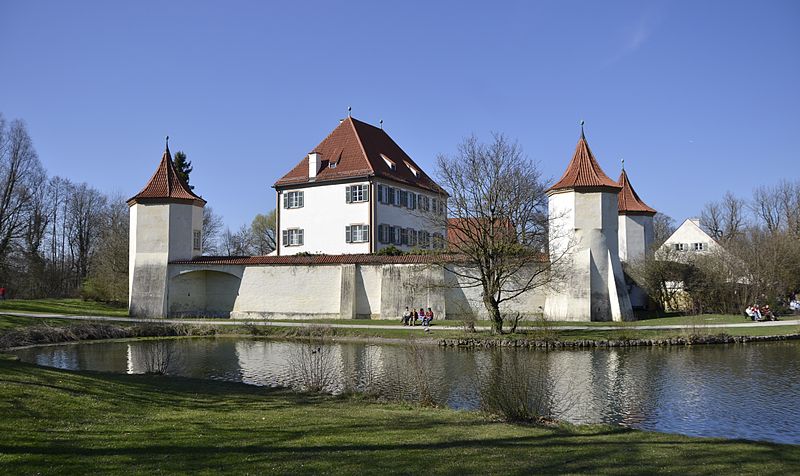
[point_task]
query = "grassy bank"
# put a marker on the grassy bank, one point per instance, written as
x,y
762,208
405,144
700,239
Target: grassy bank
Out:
x,y
80,422
64,306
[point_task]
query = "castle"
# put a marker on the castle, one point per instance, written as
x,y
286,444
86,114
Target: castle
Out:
x,y
353,194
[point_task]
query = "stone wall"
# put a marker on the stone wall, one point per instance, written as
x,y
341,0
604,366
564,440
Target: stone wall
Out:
x,y
347,291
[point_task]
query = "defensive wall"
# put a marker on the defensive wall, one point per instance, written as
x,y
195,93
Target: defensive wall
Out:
x,y
327,287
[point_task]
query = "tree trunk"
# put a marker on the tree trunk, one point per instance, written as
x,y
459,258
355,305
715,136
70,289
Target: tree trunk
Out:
x,y
494,314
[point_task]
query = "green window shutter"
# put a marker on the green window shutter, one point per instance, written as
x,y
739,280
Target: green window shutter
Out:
x,y
285,237
285,200
347,196
366,234
348,235
300,198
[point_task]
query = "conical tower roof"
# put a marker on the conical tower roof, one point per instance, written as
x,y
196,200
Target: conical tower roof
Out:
x,y
629,202
583,172
166,186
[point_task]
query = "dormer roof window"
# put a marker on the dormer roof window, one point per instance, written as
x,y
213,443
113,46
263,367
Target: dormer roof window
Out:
x,y
412,169
389,162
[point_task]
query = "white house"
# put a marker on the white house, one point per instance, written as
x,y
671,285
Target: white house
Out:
x,y
687,242
357,192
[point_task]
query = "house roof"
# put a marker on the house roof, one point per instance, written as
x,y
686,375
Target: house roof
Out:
x,y
583,171
320,259
166,184
358,150
629,202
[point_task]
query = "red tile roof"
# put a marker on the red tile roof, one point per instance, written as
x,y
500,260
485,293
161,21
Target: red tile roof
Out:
x,y
357,148
165,184
583,171
629,202
321,259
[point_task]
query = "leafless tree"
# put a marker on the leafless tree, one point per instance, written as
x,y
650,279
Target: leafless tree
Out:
x,y
766,205
725,220
212,226
499,226
262,232
85,208
663,228
237,244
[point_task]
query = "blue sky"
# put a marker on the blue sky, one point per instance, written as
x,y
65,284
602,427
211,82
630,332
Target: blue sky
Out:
x,y
697,97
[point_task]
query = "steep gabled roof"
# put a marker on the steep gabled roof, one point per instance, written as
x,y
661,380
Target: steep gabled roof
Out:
x,y
358,149
166,185
629,202
583,171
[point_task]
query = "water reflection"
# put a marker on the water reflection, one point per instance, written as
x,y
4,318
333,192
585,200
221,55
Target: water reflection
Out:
x,y
739,391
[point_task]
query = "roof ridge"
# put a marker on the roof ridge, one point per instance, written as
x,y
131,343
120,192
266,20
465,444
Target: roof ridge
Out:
x,y
361,144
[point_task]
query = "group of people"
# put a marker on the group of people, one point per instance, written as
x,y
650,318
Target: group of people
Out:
x,y
411,316
760,313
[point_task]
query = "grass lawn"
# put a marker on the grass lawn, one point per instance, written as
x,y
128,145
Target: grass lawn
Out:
x,y
63,306
64,422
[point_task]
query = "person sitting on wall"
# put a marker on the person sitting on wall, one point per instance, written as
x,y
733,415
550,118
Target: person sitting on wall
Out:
x,y
408,315
420,315
794,305
750,313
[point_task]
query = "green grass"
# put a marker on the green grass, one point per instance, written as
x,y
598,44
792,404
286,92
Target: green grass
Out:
x,y
59,422
63,306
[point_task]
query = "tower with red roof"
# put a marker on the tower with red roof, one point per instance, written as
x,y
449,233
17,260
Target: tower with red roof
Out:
x,y
584,249
166,224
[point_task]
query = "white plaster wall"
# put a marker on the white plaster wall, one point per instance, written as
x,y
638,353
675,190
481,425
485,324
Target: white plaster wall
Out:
x,y
689,232
183,220
635,236
323,217
594,286
289,291
464,301
368,290
406,218
149,247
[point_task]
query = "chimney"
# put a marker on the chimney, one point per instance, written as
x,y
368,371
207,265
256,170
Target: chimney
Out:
x,y
313,165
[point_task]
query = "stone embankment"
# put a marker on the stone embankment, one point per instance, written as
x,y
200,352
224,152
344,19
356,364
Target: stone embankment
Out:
x,y
548,344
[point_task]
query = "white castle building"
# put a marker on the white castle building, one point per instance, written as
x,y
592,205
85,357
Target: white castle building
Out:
x,y
352,195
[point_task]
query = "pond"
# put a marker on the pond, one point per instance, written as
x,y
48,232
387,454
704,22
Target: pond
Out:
x,y
749,391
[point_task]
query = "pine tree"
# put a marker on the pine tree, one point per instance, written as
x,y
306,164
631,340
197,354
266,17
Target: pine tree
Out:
x,y
183,167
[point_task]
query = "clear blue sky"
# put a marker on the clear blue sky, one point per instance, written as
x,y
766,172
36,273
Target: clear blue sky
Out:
x,y
698,97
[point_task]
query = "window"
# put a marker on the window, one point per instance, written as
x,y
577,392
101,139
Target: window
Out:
x,y
423,203
356,233
390,193
424,238
412,169
404,236
699,246
293,237
389,162
357,193
411,201
293,200
412,237
383,233
197,242
332,165
438,241
397,237
398,197
679,247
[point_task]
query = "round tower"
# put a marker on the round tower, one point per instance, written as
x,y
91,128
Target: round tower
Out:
x,y
166,222
588,281
636,231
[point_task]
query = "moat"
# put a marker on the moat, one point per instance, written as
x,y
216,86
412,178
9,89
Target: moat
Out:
x,y
749,391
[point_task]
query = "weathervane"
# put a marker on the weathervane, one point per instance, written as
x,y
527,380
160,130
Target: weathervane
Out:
x,y
582,122
349,109
623,163
167,142
381,121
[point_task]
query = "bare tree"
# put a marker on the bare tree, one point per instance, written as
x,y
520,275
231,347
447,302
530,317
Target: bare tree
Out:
x,y
108,272
21,174
85,208
766,205
262,232
499,225
212,226
726,219
237,244
663,228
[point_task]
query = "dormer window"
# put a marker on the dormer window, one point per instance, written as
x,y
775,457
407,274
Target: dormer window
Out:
x,y
412,169
389,162
332,165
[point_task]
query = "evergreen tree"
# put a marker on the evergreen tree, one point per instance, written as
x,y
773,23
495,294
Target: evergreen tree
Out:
x,y
183,167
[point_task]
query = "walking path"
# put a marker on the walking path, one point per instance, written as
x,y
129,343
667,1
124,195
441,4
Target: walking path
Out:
x,y
436,327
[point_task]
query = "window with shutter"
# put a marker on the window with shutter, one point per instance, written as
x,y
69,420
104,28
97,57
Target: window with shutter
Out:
x,y
285,200
397,239
380,193
412,237
348,235
300,237
347,195
285,238
397,197
403,236
293,200
390,195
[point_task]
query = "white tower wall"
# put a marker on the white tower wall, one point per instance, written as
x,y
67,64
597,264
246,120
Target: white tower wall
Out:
x,y
159,233
585,227
636,235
